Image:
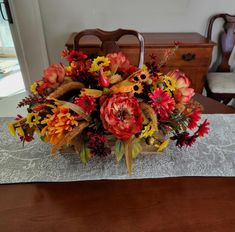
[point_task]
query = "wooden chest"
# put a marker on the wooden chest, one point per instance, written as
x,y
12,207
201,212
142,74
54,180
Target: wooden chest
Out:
x,y
193,56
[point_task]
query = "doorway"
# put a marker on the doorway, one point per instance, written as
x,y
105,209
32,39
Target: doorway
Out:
x,y
11,80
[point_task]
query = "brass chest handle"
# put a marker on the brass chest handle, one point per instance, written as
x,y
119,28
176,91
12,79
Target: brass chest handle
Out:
x,y
188,56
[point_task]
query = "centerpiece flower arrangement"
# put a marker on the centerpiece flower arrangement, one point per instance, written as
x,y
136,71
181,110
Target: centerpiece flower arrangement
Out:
x,y
103,104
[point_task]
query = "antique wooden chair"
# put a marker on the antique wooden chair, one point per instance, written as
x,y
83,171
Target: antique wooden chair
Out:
x,y
109,40
220,85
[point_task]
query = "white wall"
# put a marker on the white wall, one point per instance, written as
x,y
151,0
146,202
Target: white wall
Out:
x,y
60,17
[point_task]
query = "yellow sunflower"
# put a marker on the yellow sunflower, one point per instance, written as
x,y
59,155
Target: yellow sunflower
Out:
x,y
33,119
100,61
142,76
137,88
148,130
170,82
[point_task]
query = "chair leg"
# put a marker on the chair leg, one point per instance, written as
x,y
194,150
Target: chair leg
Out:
x,y
226,101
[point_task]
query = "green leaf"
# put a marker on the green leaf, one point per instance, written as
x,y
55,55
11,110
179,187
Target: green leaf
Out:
x,y
106,90
85,154
136,148
111,138
119,150
43,138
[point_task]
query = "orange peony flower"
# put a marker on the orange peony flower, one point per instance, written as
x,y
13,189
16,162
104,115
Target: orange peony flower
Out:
x,y
182,93
58,124
121,115
54,75
118,61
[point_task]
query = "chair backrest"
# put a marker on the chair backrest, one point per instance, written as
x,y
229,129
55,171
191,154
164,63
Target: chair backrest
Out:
x,y
109,40
226,39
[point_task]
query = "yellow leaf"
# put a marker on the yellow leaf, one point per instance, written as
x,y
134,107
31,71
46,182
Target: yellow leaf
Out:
x,y
77,109
11,129
115,78
128,155
91,92
161,146
123,87
136,148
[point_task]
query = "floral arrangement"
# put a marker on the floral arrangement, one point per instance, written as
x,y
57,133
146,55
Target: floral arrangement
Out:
x,y
96,105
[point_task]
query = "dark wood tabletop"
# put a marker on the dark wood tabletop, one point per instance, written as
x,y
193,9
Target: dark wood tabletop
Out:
x,y
185,204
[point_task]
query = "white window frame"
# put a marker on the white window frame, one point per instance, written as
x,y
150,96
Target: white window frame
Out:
x,y
28,36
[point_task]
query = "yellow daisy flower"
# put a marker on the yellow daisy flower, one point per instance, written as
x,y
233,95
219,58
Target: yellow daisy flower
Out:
x,y
100,61
161,146
33,88
170,82
32,119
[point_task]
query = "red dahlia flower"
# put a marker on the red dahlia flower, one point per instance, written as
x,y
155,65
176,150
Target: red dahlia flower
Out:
x,y
162,103
26,138
194,117
184,139
76,56
121,115
87,103
98,144
203,129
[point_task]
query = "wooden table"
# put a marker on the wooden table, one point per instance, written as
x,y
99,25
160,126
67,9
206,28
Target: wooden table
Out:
x,y
186,204
193,56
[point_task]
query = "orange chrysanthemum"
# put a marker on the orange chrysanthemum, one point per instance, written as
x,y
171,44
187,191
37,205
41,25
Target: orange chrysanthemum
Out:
x,y
58,124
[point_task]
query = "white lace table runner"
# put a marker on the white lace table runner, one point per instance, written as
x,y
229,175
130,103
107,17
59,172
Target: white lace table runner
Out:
x,y
213,155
